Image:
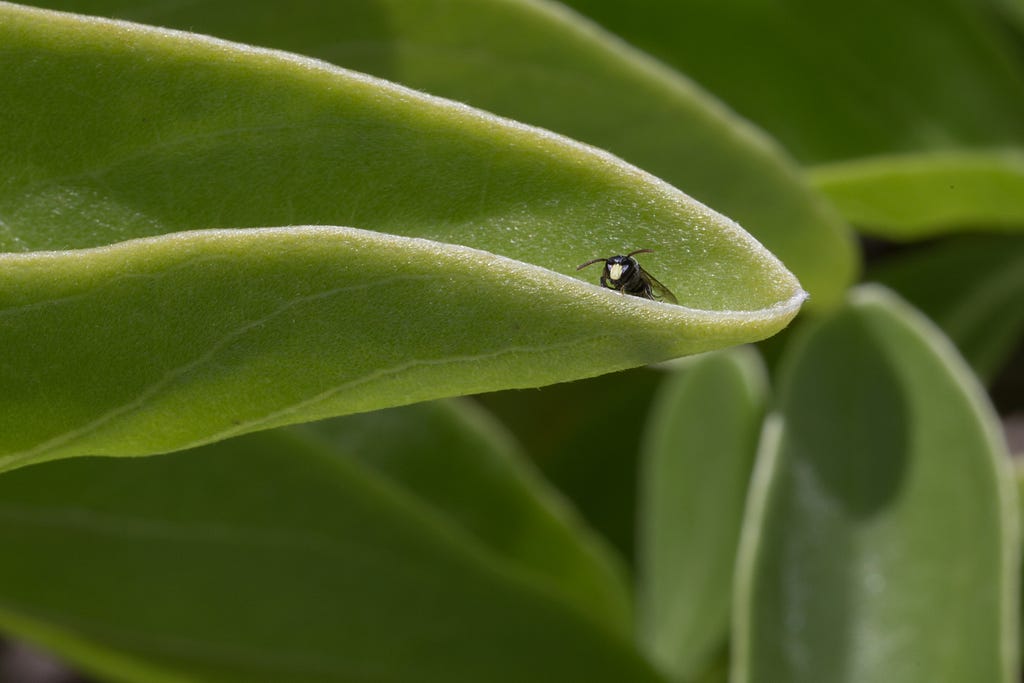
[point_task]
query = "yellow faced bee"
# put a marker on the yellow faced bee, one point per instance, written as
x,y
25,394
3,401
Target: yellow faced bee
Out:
x,y
624,274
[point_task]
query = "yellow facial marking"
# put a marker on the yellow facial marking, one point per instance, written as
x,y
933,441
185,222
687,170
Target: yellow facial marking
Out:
x,y
615,271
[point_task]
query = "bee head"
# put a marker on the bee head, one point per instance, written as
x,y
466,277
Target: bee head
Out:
x,y
618,267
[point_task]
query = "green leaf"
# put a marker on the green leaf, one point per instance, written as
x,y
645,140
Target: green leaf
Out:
x,y
972,287
916,196
538,63
842,80
455,457
904,101
458,286
881,539
1018,463
1011,11
566,429
268,558
700,446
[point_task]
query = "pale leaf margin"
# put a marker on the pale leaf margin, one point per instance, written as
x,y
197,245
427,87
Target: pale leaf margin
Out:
x,y
321,348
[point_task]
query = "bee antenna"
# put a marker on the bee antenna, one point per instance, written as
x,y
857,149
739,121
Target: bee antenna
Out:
x,y
640,251
590,263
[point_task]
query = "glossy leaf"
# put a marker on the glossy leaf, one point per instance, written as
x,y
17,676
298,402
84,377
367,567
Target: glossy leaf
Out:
x,y
535,62
455,457
881,539
700,446
155,344
973,287
918,196
268,557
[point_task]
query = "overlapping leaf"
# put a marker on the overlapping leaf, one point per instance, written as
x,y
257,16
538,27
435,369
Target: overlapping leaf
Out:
x,y
456,282
586,437
278,556
843,80
972,287
699,454
881,539
535,62
859,82
456,458
919,196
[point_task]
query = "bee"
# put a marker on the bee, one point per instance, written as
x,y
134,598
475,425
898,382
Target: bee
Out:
x,y
624,274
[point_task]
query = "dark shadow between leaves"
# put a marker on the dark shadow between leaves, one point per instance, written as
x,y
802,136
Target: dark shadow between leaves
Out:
x,y
842,462
847,417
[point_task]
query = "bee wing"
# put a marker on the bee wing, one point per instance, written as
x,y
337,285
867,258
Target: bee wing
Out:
x,y
659,290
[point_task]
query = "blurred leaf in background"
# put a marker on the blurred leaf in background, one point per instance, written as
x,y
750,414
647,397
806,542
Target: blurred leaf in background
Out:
x,y
596,530
698,456
885,98
972,287
881,537
280,556
838,81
